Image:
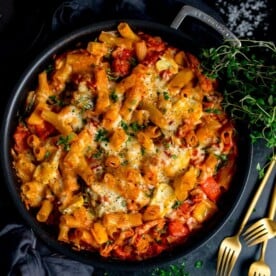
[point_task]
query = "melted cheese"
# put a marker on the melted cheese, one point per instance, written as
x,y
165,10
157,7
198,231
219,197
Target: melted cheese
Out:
x,y
164,197
111,201
175,160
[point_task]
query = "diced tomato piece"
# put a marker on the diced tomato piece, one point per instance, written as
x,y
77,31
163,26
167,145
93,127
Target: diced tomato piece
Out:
x,y
123,252
211,188
20,138
158,248
155,44
177,228
121,64
155,249
155,49
151,57
193,61
185,208
205,83
44,130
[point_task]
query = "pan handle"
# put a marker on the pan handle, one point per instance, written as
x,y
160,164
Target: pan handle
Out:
x,y
207,19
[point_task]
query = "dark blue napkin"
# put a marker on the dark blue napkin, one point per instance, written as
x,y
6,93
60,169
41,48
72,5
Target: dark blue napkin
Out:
x,y
71,14
23,254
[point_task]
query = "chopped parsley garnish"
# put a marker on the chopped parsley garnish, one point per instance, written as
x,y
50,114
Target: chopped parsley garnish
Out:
x,y
149,193
65,141
132,61
166,144
124,163
54,100
124,126
102,135
171,270
176,204
166,95
98,154
198,264
143,151
223,157
136,127
111,75
113,96
108,243
49,69
84,103
131,128
47,154
223,161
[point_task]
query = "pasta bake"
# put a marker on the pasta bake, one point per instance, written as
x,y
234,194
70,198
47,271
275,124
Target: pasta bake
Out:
x,y
124,147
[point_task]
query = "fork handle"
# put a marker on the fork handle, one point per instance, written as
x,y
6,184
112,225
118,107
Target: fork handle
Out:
x,y
272,205
263,250
271,214
257,195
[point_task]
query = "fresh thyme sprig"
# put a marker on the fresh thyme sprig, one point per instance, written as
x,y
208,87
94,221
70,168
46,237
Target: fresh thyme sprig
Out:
x,y
248,75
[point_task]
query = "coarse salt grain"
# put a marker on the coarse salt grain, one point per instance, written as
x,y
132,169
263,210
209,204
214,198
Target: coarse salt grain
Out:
x,y
243,18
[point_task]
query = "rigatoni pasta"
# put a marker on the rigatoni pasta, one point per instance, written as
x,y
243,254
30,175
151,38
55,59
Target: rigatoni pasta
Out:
x,y
124,147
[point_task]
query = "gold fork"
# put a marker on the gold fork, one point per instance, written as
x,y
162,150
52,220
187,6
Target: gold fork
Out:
x,y
260,267
230,247
264,228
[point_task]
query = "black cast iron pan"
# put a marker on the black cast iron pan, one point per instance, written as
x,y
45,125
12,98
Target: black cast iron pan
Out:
x,y
28,81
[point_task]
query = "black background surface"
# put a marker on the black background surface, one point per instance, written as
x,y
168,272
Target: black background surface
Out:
x,y
26,27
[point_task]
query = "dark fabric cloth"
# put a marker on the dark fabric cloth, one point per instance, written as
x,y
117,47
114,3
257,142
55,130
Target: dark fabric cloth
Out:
x,y
71,14
22,254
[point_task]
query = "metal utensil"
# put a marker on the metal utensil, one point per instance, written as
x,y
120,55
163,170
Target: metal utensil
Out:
x,y
259,267
264,228
230,247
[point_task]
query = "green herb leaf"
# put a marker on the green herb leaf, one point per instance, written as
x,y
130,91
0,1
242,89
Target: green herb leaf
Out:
x,y
198,264
113,96
50,69
166,95
248,76
65,141
176,204
102,135
136,127
124,126
111,75
54,100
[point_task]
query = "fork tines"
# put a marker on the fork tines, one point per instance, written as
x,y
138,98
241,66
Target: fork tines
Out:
x,y
226,261
254,235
